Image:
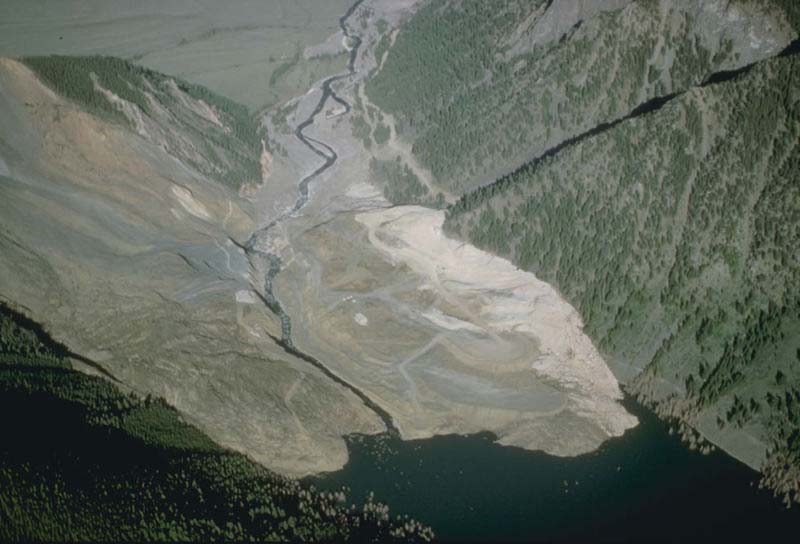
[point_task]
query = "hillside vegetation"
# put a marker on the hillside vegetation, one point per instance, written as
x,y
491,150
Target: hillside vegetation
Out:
x,y
675,234
478,96
400,185
217,136
88,462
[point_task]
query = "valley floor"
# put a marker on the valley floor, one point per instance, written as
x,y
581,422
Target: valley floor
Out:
x,y
444,337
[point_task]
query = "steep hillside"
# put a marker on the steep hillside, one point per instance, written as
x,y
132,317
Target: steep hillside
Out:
x,y
479,88
115,239
210,133
675,234
88,462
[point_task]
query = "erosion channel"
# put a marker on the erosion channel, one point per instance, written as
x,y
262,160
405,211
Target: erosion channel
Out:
x,y
329,157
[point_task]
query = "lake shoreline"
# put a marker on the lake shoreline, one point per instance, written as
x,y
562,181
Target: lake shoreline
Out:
x,y
469,487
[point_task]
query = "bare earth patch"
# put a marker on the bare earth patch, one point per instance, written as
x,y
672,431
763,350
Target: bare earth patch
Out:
x,y
448,338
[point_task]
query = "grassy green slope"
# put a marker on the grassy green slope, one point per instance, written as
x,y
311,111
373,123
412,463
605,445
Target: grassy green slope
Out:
x,y
232,149
675,234
473,103
80,460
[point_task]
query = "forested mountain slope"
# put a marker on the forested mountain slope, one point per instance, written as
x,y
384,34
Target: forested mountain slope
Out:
x,y
88,462
479,87
675,234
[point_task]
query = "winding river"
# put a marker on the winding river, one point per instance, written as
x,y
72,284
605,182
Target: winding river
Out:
x,y
329,157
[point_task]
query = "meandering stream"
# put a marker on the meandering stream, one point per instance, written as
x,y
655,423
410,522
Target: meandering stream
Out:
x,y
329,157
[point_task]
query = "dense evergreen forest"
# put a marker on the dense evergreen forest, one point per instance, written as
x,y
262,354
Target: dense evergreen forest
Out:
x,y
81,460
476,100
675,235
400,185
234,148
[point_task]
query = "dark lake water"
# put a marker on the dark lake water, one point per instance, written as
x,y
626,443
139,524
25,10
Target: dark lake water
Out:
x,y
646,485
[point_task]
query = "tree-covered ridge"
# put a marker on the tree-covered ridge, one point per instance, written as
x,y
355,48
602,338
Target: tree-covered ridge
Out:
x,y
473,103
82,461
675,235
227,151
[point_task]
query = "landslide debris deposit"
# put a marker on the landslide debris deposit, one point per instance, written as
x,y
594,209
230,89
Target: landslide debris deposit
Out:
x,y
500,350
139,243
132,258
337,256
